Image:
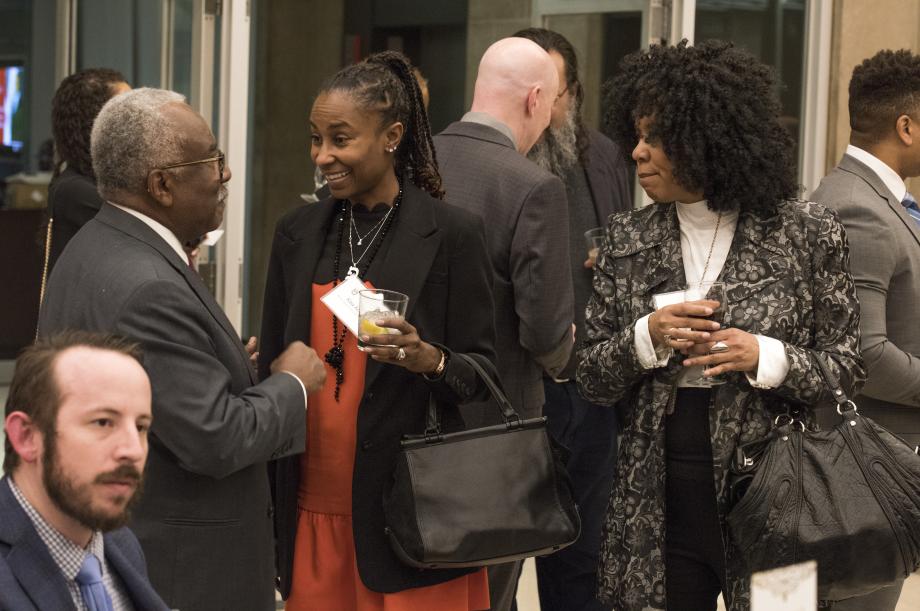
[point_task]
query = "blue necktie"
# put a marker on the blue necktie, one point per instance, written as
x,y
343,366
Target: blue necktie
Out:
x,y
910,204
91,587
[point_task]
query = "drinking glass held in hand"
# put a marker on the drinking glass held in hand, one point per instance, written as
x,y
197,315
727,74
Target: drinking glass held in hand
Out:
x,y
713,291
374,306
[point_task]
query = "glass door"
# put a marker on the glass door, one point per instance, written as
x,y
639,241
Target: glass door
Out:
x,y
179,45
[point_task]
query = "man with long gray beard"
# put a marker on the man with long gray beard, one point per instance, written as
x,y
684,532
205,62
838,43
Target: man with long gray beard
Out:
x,y
205,521
597,183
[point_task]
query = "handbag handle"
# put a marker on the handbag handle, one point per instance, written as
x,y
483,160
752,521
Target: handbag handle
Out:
x,y
509,414
844,404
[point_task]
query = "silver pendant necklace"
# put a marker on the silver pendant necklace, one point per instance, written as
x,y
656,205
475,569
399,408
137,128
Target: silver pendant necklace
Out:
x,y
353,268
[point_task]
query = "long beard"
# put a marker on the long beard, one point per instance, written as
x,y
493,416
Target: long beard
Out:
x,y
557,149
76,500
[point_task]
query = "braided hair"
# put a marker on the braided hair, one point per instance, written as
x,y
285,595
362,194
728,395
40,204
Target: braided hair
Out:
x,y
74,107
384,83
715,111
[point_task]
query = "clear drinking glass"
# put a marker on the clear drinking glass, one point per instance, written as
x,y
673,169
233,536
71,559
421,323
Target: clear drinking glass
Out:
x,y
594,238
716,292
375,305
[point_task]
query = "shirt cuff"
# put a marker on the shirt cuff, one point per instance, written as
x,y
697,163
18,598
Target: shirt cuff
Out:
x,y
773,364
649,357
299,381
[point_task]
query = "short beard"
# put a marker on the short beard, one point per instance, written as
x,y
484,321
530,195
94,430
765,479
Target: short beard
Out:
x,y
76,500
557,149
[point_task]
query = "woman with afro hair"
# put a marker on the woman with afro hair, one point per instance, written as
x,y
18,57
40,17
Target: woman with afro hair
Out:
x,y
703,126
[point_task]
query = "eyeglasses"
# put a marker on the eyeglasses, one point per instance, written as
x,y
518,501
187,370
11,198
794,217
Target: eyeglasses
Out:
x,y
219,158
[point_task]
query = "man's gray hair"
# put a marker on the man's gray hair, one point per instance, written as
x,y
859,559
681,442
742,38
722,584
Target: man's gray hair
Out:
x,y
132,136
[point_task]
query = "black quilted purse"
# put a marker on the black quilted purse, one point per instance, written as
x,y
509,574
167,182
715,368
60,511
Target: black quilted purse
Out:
x,y
848,497
481,496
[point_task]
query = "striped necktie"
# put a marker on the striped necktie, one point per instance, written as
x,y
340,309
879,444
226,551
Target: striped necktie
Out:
x,y
910,204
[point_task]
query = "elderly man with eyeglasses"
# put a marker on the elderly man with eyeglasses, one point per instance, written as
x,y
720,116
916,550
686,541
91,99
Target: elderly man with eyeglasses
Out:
x,y
205,520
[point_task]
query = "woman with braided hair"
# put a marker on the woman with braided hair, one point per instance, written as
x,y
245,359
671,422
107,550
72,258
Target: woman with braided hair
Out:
x,y
72,196
697,377
385,223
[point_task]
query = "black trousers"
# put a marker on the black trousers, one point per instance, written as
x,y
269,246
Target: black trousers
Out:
x,y
567,579
694,555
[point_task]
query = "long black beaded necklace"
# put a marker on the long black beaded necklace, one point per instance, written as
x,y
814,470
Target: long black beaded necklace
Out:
x,y
336,355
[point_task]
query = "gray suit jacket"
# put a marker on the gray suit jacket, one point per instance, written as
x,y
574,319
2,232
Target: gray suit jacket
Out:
x,y
885,260
526,218
204,520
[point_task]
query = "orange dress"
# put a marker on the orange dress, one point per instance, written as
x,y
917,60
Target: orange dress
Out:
x,y
325,573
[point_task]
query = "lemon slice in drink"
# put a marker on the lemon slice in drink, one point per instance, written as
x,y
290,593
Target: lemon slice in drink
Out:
x,y
367,327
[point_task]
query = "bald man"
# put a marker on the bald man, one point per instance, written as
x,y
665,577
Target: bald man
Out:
x,y
484,168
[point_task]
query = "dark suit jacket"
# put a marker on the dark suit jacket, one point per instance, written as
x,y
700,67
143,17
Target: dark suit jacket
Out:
x,y
72,201
205,517
885,259
610,178
31,581
527,235
437,257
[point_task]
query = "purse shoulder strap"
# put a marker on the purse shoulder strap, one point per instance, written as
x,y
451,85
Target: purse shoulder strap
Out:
x,y
509,414
840,397
41,294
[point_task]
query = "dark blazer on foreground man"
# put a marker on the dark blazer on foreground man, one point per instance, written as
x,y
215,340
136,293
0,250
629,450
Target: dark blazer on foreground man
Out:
x,y
526,218
885,260
435,254
205,517
31,581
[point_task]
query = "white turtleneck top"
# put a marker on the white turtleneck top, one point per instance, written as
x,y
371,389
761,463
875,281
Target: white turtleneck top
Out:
x,y
697,229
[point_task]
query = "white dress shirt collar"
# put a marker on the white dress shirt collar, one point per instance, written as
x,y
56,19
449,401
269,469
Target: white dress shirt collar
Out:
x,y
168,236
888,176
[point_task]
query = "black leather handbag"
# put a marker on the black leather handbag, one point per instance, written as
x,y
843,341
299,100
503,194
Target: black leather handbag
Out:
x,y
482,496
848,497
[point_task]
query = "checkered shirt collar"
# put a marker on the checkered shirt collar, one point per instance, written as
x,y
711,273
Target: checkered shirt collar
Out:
x,y
66,554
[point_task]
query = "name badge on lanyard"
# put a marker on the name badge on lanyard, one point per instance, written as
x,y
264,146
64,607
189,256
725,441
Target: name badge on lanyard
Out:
x,y
342,301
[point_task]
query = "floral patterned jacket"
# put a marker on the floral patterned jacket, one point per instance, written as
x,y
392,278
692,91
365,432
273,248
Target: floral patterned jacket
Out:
x,y
787,276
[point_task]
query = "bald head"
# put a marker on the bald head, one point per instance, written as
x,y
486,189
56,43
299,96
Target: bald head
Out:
x,y
517,84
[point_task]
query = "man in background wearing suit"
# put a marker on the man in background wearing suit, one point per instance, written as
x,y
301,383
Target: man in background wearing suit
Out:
x,y
484,170
205,521
76,440
882,222
597,184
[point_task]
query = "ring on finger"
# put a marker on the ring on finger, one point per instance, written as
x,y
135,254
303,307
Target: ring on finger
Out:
x,y
401,355
667,338
719,347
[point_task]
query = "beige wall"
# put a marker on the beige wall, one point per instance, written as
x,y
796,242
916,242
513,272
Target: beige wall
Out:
x,y
861,28
299,45
490,20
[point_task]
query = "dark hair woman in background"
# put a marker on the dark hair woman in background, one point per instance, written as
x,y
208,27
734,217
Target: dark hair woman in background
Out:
x,y
703,126
72,196
384,219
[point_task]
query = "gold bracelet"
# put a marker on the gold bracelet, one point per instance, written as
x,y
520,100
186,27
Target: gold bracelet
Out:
x,y
439,369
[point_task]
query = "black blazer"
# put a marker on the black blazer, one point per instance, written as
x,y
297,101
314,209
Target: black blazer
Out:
x,y
610,177
72,201
437,256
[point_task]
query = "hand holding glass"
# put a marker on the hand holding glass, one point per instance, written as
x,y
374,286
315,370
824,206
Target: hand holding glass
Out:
x,y
375,305
716,292
594,239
